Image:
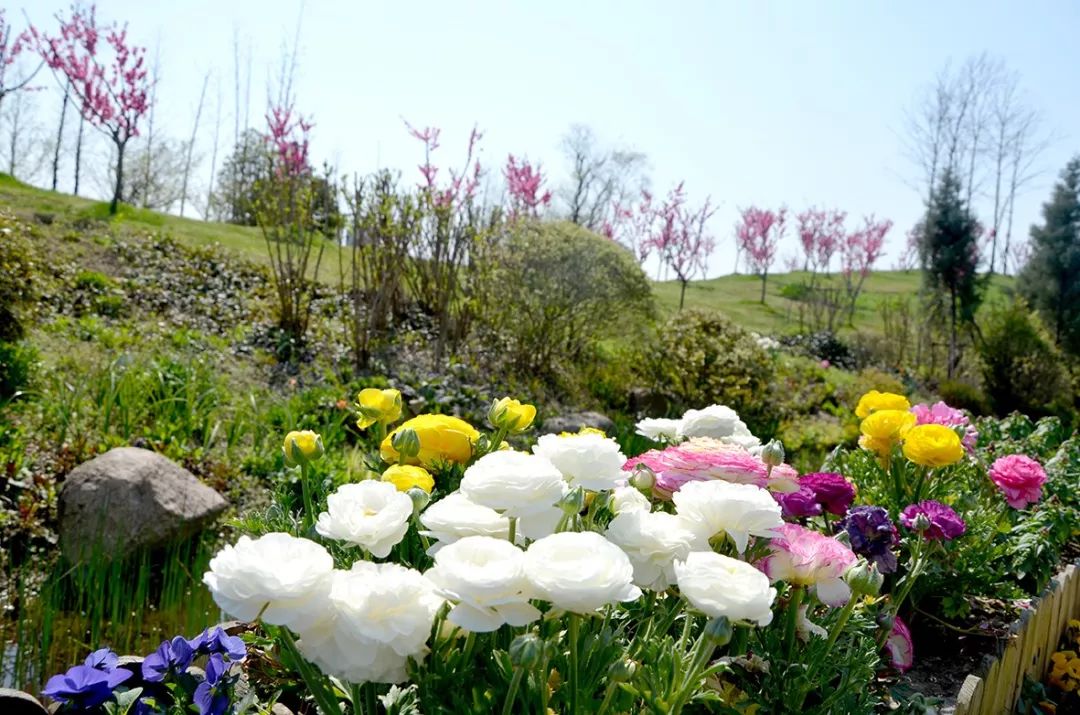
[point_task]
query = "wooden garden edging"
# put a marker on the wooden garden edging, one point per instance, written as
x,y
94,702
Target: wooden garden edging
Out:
x,y
1032,639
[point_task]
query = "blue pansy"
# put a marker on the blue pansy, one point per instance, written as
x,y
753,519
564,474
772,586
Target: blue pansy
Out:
x,y
175,656
212,695
216,640
85,686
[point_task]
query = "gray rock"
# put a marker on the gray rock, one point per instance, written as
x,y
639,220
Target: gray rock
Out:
x,y
279,709
16,702
643,401
131,498
574,421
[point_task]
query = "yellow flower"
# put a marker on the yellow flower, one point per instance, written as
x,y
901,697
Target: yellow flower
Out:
x,y
884,428
584,430
304,446
442,439
511,415
875,401
378,406
407,476
933,445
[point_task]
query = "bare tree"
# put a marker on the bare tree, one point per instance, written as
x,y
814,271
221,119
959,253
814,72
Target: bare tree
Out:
x,y
148,155
601,179
214,151
161,187
78,152
191,143
26,149
60,138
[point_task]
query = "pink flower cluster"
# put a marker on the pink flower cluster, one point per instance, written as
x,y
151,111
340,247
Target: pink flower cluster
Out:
x,y
941,414
288,135
805,557
523,183
1019,478
462,186
702,459
758,234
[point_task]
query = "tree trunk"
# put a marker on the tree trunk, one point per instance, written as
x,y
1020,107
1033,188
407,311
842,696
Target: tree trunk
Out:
x,y
952,336
682,293
78,154
118,191
59,142
764,277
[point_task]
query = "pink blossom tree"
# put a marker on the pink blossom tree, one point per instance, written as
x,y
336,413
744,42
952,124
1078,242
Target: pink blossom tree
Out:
x,y
821,233
11,46
861,249
112,85
524,184
758,234
681,237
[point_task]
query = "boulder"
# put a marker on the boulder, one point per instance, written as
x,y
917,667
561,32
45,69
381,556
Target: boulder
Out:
x,y
16,702
643,401
574,421
128,499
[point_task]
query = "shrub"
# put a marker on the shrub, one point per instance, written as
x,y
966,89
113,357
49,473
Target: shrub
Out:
x,y
17,272
556,289
1021,368
823,346
964,396
16,365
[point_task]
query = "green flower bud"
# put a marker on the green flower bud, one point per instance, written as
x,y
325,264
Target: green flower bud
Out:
x,y
718,630
420,499
773,453
573,502
922,523
406,443
301,447
526,651
864,578
643,479
623,670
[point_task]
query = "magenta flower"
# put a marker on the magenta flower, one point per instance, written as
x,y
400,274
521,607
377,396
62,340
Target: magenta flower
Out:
x,y
701,459
799,504
803,557
940,522
941,414
832,491
899,646
1019,478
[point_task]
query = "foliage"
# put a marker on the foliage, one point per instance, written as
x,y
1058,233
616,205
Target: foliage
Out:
x,y
825,346
18,269
17,361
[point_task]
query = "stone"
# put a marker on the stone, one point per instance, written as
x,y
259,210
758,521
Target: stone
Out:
x,y
643,401
574,421
128,499
16,702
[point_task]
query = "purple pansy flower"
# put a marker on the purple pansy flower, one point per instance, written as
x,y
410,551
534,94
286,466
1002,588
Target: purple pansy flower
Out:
x,y
171,656
85,686
831,490
102,659
799,504
211,696
941,522
872,535
216,640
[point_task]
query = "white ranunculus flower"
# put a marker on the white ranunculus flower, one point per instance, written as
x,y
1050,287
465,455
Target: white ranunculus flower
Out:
x,y
380,616
627,499
287,575
742,437
485,577
738,510
653,542
580,571
719,585
716,421
454,517
588,460
372,514
514,484
659,428
539,524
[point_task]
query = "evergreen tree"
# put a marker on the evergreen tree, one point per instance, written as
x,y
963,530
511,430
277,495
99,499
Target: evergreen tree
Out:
x,y
949,251
1051,278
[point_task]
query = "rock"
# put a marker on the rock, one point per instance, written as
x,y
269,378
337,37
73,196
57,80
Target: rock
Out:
x,y
16,702
574,421
643,401
131,498
279,709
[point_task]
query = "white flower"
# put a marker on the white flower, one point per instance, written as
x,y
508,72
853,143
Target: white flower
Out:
x,y
515,484
719,585
454,517
627,499
485,577
588,460
539,524
738,510
653,542
580,571
372,514
288,576
380,616
716,421
806,628
659,428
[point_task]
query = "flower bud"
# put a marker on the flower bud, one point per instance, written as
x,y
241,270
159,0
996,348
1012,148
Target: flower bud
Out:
x,y
526,651
573,501
420,499
302,447
511,415
773,453
406,443
864,578
643,479
376,405
409,476
718,631
623,670
921,523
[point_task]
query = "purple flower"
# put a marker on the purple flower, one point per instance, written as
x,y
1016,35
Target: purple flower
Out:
x,y
85,686
831,490
938,520
216,640
799,504
212,696
171,656
102,659
872,535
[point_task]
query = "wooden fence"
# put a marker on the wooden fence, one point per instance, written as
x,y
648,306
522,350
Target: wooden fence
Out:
x,y
1033,638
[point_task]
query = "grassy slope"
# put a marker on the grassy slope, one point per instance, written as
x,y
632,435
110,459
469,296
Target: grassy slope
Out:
x,y
736,295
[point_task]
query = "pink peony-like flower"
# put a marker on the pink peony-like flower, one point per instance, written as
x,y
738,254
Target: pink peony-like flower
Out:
x,y
941,414
799,504
1019,478
831,490
941,522
899,646
703,458
808,558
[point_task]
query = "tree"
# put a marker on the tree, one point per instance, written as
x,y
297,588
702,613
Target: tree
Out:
x,y
113,91
234,197
1049,280
758,235
681,238
11,46
860,250
821,235
160,185
524,184
949,252
601,180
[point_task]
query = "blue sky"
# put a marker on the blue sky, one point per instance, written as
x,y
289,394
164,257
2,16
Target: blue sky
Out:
x,y
753,102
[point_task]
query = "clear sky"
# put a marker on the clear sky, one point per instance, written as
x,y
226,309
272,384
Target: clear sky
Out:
x,y
798,103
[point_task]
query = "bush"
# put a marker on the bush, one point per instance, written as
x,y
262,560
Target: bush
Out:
x,y
1022,370
556,289
824,346
16,366
964,396
17,273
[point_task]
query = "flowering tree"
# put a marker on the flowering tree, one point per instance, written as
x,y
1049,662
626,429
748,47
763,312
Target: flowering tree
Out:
x,y
681,239
758,235
11,46
821,234
112,91
524,183
860,251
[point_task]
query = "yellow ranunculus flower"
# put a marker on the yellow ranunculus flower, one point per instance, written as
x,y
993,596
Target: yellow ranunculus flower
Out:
x,y
442,439
887,425
875,401
407,476
933,445
584,430
378,406
304,446
511,415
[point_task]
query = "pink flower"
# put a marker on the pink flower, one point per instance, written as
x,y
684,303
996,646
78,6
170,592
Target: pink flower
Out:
x,y
941,414
899,646
703,458
1019,478
831,490
808,558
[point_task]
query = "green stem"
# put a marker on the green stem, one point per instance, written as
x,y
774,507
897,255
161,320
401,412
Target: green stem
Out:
x,y
512,536
314,681
841,621
792,620
739,640
356,695
309,508
511,694
371,701
575,628
609,693
703,650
